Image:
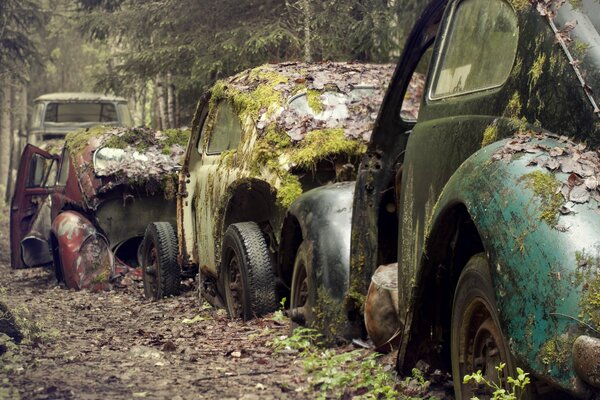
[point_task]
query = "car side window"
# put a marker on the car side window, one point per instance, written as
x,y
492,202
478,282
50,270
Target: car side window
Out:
x,y
202,128
40,169
227,130
479,48
409,111
63,173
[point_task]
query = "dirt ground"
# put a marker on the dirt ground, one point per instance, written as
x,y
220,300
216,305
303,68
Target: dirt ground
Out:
x,y
82,345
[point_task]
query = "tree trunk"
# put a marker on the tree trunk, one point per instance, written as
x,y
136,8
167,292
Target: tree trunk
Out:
x,y
5,137
170,100
18,127
307,30
162,106
143,101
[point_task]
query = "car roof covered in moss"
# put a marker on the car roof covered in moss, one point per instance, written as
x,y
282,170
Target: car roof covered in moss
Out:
x,y
301,97
127,155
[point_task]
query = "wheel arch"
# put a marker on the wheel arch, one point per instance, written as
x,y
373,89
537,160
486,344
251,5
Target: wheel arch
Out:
x,y
322,218
534,262
247,200
453,239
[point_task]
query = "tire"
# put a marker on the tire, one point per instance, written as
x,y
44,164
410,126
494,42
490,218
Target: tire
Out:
x,y
477,342
162,276
247,272
59,272
302,299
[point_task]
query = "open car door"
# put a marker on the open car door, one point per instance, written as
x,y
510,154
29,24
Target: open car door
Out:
x,y
31,205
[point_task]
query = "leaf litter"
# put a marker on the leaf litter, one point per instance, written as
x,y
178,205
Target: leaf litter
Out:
x,y
119,345
581,164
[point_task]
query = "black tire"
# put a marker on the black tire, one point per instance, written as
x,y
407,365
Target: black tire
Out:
x,y
162,276
59,272
477,341
247,272
302,296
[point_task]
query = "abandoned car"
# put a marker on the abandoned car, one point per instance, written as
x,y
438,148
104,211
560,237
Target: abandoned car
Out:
x,y
56,114
85,211
488,202
259,139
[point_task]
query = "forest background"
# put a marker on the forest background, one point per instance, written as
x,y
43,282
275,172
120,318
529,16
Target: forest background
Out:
x,y
163,54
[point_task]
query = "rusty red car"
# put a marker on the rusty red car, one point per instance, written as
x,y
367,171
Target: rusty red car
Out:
x,y
84,210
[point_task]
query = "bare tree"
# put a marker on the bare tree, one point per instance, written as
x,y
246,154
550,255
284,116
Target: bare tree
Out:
x,y
170,101
5,136
160,98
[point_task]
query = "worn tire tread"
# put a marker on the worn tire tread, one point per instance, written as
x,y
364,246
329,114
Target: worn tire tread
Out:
x,y
164,237
259,272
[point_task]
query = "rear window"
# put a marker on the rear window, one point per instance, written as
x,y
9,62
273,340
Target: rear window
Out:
x,y
479,49
80,112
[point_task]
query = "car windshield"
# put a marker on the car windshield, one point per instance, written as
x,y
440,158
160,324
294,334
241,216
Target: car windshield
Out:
x,y
328,105
80,112
585,48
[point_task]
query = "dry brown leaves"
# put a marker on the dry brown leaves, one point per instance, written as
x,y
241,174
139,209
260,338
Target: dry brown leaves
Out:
x,y
581,164
323,77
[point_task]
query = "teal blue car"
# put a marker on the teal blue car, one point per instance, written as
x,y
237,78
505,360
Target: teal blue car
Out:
x,y
485,202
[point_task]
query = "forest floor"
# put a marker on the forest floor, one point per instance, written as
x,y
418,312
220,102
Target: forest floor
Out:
x,y
118,345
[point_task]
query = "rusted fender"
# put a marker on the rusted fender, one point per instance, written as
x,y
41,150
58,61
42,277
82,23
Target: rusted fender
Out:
x,y
544,259
86,261
35,248
325,218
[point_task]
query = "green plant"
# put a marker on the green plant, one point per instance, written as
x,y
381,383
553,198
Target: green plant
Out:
x,y
516,385
279,316
356,374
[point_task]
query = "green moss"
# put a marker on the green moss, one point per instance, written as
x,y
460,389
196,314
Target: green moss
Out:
x,y
314,101
317,145
176,137
556,352
329,316
538,68
100,278
77,141
521,5
545,186
490,135
580,49
514,106
289,190
516,71
262,98
139,139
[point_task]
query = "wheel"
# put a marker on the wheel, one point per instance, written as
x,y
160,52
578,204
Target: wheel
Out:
x,y
247,272
162,275
302,300
59,273
477,342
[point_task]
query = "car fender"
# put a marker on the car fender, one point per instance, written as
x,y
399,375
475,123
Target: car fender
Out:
x,y
544,256
84,253
325,217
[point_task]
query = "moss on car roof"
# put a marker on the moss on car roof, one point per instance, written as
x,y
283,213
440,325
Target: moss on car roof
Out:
x,y
263,94
143,154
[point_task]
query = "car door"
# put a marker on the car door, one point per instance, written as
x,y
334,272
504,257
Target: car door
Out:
x,y
374,219
219,138
33,187
471,64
